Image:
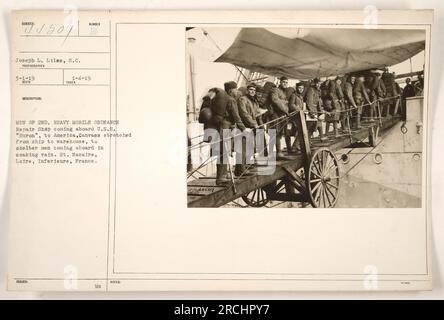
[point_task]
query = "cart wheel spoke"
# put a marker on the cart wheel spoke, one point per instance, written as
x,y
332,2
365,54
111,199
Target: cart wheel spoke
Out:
x,y
318,165
316,187
327,166
328,193
323,197
331,193
315,174
325,157
332,185
318,195
332,166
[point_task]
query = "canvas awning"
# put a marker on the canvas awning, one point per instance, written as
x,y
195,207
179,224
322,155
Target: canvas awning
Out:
x,y
308,53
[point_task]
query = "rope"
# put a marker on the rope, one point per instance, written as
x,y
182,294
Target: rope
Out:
x,y
357,107
314,112
248,166
206,34
360,160
278,121
195,137
282,119
199,167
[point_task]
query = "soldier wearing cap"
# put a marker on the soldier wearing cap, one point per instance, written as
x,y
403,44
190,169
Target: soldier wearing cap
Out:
x,y
381,89
296,103
314,107
264,99
409,90
360,96
232,111
372,85
287,92
205,114
249,112
333,105
224,115
380,92
344,114
261,96
248,107
278,107
391,92
285,88
263,117
351,103
419,85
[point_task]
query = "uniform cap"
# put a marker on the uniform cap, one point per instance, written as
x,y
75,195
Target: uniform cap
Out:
x,y
259,89
230,85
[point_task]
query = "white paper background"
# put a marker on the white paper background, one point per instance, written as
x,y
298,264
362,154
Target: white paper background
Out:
x,y
436,100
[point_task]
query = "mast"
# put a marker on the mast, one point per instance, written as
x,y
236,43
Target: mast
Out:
x,y
191,96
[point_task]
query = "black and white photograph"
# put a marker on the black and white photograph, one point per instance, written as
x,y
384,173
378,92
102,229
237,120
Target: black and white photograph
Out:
x,y
307,117
232,151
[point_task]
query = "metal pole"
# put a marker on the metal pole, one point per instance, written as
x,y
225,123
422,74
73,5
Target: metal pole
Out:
x,y
193,98
379,113
348,124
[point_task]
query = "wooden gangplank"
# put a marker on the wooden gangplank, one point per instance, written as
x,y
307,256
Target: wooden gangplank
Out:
x,y
204,192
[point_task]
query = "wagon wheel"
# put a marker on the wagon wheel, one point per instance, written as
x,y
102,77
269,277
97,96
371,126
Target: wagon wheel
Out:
x,y
323,179
256,198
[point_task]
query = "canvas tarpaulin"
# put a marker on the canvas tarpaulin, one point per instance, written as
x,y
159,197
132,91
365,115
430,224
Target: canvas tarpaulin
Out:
x,y
308,53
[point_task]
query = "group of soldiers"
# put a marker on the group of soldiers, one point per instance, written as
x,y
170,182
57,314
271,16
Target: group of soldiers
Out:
x,y
342,102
